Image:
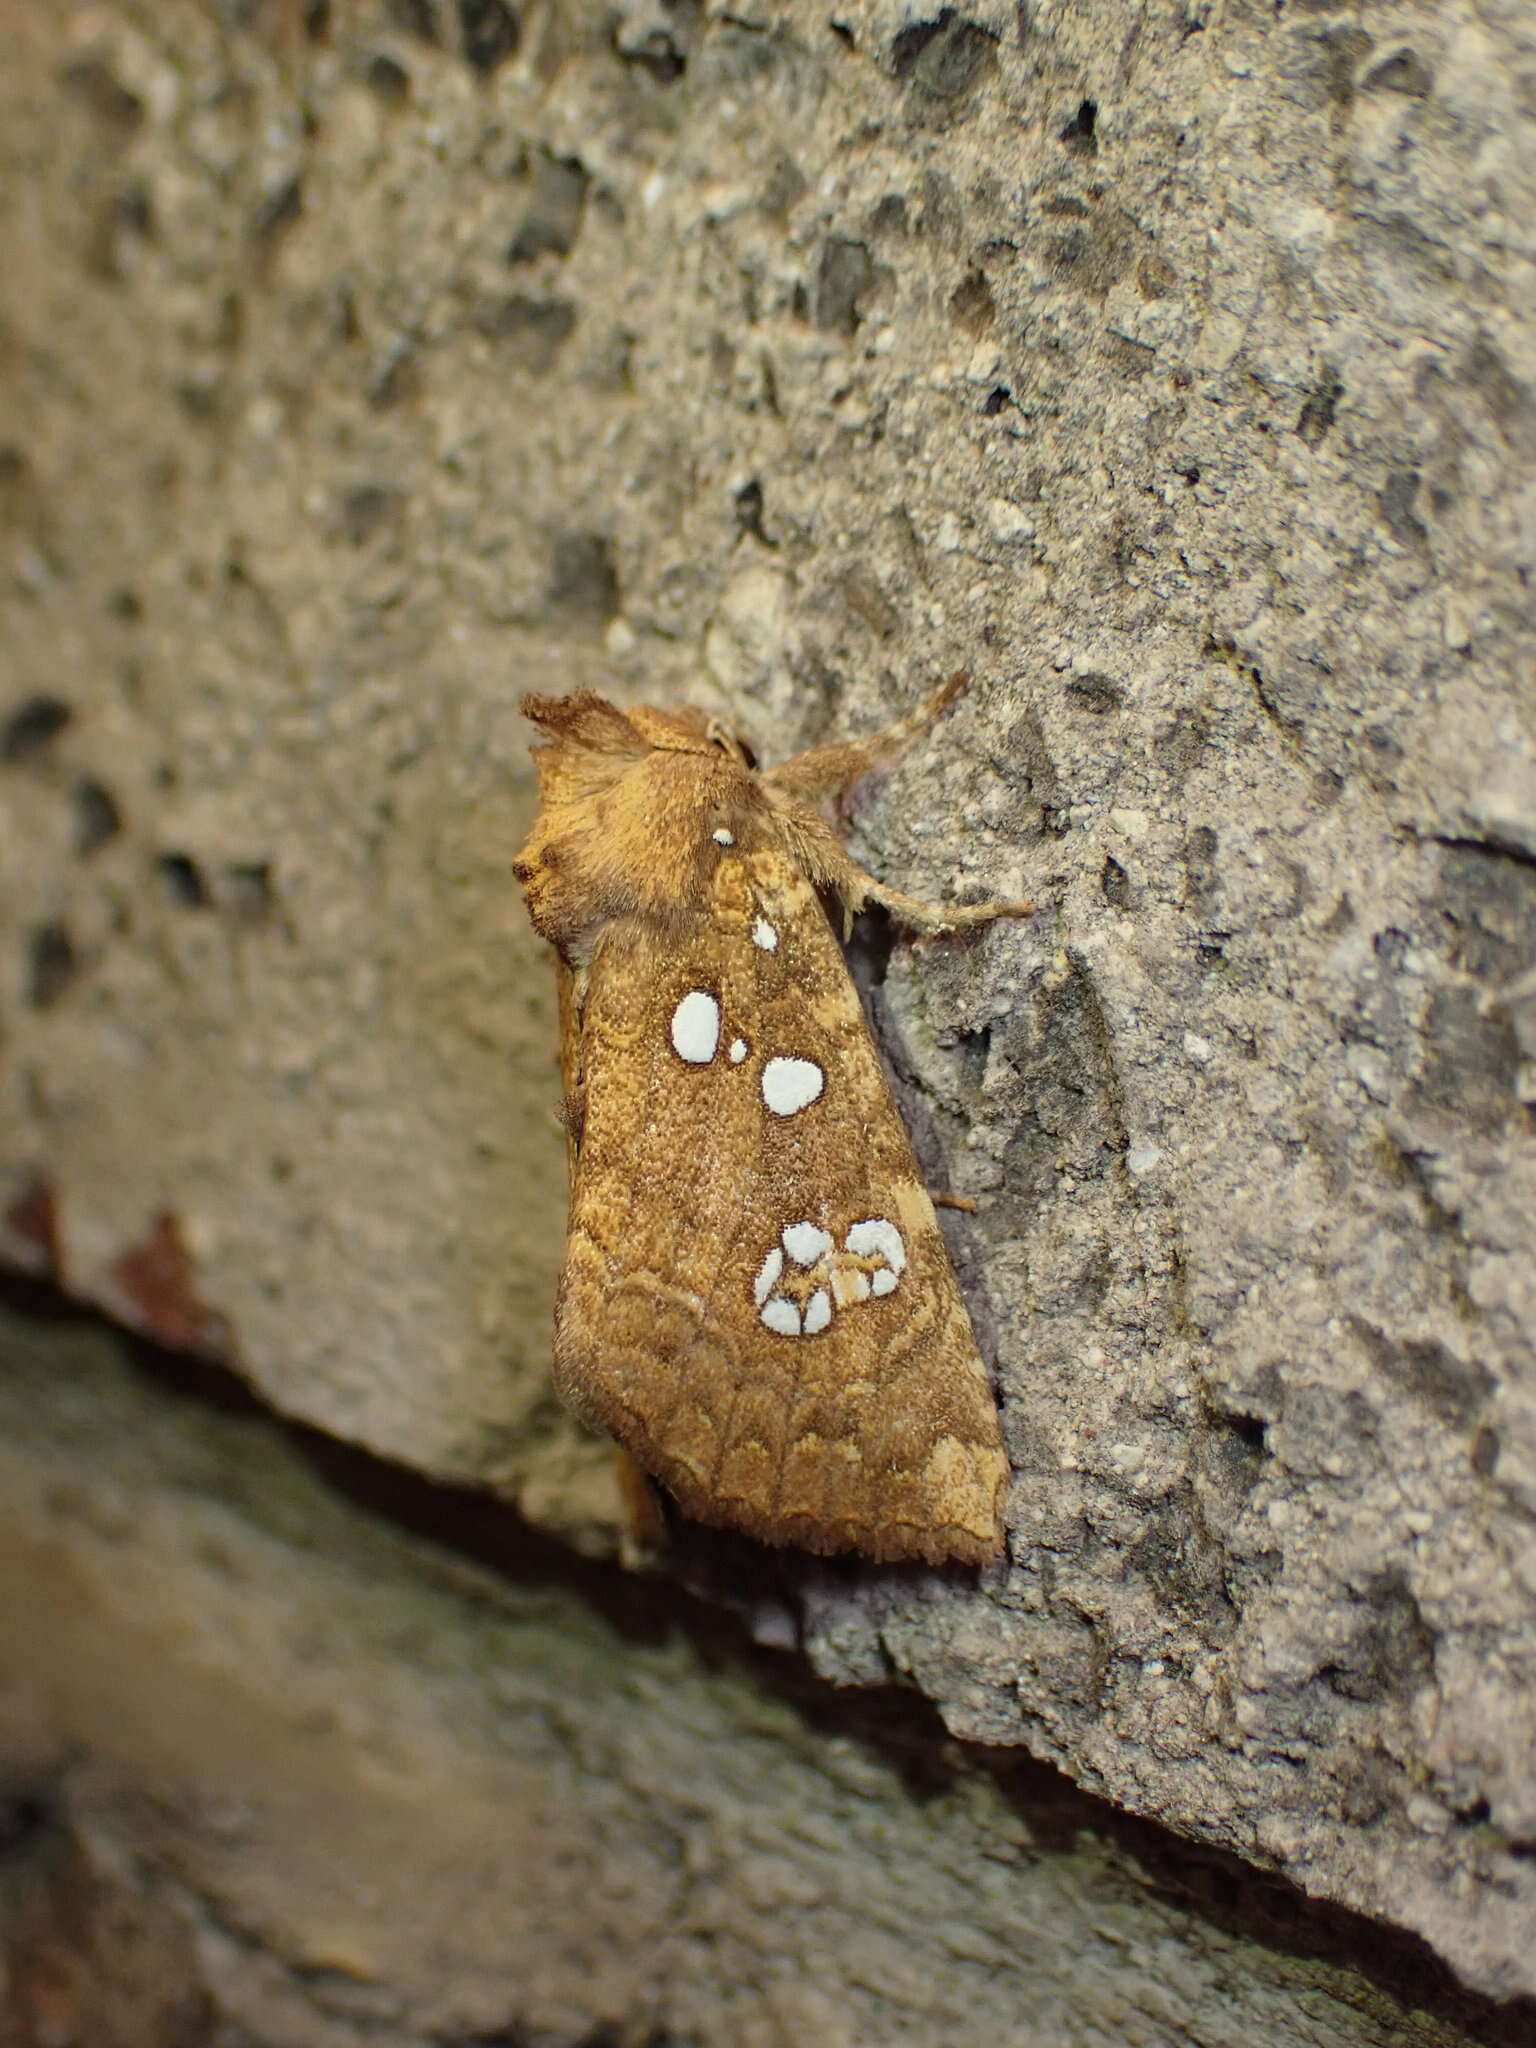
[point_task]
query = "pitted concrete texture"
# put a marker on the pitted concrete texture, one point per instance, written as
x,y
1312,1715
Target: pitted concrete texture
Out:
x,y
271,1771
1170,369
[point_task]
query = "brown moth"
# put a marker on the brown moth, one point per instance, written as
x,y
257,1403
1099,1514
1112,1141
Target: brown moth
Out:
x,y
756,1300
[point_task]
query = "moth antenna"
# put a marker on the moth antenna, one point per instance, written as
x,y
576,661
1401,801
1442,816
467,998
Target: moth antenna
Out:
x,y
643,1532
719,734
824,771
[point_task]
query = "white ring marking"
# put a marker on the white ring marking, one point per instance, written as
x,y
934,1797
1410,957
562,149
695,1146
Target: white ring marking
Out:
x,y
789,1085
696,1028
877,1238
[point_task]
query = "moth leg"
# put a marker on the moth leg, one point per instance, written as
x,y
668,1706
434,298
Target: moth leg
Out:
x,y
643,1532
572,1116
855,886
919,916
824,771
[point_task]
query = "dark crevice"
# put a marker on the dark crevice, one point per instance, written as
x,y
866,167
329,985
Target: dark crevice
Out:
x,y
1502,849
1078,134
748,501
52,963
32,727
1095,692
908,44
1277,718
182,880
489,33
714,1578
943,56
1083,991
1248,1429
415,18
1115,884
1320,409
97,816
869,949
387,80
277,210
27,1813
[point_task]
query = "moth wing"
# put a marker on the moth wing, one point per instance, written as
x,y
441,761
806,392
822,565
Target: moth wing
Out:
x,y
757,1299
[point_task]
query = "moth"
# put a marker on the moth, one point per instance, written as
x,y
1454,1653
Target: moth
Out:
x,y
756,1299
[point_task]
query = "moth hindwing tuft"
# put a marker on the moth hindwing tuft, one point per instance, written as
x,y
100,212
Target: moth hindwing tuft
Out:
x,y
756,1300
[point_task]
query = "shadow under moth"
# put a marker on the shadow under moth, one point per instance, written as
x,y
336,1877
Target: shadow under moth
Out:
x,y
756,1301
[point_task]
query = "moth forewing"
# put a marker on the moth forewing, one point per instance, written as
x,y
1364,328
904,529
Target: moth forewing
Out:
x,y
756,1300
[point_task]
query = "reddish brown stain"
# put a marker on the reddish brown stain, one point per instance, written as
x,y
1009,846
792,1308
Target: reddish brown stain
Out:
x,y
156,1279
33,1220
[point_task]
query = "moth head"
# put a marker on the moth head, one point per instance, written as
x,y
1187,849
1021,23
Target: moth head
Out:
x,y
632,808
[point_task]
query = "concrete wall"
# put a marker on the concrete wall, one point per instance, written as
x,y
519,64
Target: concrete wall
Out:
x,y
1168,367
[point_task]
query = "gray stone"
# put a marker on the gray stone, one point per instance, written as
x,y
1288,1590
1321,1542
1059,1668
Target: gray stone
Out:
x,y
272,1769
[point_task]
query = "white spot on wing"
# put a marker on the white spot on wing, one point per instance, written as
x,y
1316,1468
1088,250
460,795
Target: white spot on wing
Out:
x,y
722,836
782,1316
805,1242
883,1282
877,1238
696,1028
789,1085
738,1051
767,1276
764,935
818,1312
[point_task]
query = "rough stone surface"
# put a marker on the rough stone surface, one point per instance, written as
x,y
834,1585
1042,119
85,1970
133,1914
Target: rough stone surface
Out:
x,y
1171,369
279,1774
